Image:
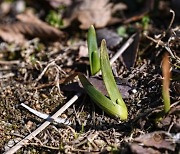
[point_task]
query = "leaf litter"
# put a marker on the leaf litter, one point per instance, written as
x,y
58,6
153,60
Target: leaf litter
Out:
x,y
28,25
91,129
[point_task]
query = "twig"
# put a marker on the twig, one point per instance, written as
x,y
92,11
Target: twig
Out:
x,y
7,76
44,146
122,49
45,69
45,116
43,126
58,70
172,19
11,62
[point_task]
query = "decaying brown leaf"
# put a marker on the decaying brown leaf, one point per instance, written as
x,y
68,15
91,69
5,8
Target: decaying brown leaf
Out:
x,y
28,25
92,12
158,140
138,149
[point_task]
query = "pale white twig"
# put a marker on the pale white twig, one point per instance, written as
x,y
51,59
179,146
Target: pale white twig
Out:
x,y
45,69
45,116
122,49
43,126
7,75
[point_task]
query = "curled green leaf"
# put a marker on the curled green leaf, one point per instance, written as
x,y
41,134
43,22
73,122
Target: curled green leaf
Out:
x,y
110,107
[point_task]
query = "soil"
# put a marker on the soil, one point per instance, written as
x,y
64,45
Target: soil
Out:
x,y
90,129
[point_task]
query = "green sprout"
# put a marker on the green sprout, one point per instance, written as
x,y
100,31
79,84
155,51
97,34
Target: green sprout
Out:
x,y
54,18
114,106
165,88
122,31
145,22
94,59
166,82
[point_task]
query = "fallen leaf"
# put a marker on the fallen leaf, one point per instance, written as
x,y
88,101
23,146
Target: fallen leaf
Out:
x,y
29,25
89,12
158,140
97,82
138,149
173,117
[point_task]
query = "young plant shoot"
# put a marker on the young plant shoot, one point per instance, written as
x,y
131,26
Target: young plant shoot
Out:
x,y
165,88
114,106
166,82
94,59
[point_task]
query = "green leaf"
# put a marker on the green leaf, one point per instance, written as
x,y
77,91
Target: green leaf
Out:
x,y
108,78
110,107
94,59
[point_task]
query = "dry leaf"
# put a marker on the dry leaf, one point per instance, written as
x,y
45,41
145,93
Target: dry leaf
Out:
x,y
90,12
138,149
29,25
157,139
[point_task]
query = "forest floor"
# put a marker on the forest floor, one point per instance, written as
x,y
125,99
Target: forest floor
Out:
x,y
39,65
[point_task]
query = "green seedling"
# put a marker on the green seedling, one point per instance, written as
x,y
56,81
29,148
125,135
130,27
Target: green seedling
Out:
x,y
94,59
114,106
122,31
54,18
166,82
165,88
145,22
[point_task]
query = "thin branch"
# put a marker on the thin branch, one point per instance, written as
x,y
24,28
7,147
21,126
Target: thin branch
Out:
x,y
45,116
122,49
43,126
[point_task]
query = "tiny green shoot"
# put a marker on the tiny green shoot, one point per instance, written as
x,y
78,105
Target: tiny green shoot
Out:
x,y
122,31
145,22
94,59
54,18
